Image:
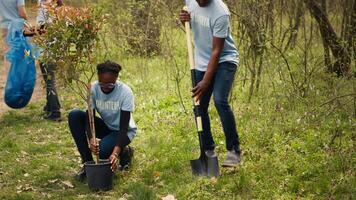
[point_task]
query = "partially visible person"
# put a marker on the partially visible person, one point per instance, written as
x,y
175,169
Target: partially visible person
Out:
x,y
52,108
10,10
42,16
114,101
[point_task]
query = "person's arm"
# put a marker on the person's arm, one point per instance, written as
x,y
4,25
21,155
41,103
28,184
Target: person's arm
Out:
x,y
202,86
59,3
22,12
122,140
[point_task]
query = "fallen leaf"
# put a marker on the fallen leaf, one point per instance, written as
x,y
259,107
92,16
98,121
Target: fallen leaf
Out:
x,y
25,188
53,181
24,153
213,180
169,197
46,195
156,174
161,184
125,197
67,184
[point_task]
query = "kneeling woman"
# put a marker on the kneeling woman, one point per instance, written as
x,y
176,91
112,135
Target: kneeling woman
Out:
x,y
114,101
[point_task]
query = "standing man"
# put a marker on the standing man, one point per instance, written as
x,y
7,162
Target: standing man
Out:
x,y
52,108
216,59
9,10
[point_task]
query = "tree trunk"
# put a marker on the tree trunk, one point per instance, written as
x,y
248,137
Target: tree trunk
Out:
x,y
327,59
294,28
352,35
342,64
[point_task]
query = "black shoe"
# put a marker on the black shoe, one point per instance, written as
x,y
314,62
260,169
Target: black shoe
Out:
x,y
45,108
54,116
46,111
126,158
81,176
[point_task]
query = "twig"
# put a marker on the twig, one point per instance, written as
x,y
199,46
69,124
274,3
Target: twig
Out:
x,y
287,63
335,98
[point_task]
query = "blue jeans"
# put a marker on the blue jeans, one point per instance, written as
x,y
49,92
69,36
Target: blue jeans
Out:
x,y
78,123
220,87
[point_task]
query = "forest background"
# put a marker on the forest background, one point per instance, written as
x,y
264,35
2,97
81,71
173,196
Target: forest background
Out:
x,y
294,98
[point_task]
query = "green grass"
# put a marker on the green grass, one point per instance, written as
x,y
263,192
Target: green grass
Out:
x,y
288,146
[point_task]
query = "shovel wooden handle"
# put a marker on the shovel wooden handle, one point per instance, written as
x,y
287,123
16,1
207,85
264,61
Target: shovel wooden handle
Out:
x,y
92,122
192,68
189,42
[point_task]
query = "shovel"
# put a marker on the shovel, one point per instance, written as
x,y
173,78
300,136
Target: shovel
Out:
x,y
204,165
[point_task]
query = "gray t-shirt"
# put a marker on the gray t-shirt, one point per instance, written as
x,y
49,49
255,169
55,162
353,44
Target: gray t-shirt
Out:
x,y
9,11
109,106
208,22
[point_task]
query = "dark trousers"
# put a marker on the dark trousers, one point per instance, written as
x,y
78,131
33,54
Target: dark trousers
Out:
x,y
52,105
78,125
220,88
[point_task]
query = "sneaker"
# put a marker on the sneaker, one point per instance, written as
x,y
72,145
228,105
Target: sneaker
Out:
x,y
210,153
232,159
81,176
126,158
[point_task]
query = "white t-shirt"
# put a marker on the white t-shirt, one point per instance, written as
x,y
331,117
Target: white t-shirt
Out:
x,y
9,11
208,22
42,16
109,106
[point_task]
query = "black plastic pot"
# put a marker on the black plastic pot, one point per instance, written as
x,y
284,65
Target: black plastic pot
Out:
x,y
99,176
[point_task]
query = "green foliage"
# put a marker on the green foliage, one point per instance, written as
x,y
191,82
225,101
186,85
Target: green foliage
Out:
x,y
70,41
139,25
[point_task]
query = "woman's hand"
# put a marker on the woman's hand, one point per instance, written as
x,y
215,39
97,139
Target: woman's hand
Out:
x,y
94,147
113,160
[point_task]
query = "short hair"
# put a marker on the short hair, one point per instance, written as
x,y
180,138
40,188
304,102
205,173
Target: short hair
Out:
x,y
109,66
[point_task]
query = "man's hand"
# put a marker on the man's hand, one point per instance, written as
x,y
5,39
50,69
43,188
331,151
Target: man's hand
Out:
x,y
200,89
113,160
94,147
184,16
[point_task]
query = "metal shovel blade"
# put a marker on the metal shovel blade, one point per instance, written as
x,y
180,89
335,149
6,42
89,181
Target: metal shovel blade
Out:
x,y
205,166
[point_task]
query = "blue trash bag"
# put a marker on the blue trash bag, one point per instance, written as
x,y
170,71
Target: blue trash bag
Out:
x,y
21,78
